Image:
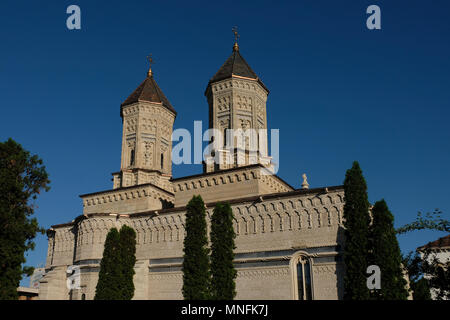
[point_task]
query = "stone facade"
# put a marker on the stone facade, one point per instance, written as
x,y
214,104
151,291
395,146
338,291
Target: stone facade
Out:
x,y
237,102
271,230
288,241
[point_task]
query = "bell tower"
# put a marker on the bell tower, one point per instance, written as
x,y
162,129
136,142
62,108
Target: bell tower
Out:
x,y
237,100
147,118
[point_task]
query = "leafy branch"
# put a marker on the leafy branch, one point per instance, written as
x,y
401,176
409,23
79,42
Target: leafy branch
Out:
x,y
431,221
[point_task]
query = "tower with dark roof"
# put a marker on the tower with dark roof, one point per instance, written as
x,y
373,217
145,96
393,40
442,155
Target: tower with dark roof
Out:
x,y
148,118
288,241
237,102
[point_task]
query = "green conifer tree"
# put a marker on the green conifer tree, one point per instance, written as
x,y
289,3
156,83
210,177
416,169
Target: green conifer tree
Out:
x,y
110,275
22,178
385,253
196,266
357,219
223,273
128,258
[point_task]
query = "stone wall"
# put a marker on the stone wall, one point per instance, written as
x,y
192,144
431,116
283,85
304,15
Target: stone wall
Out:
x,y
126,200
270,230
228,184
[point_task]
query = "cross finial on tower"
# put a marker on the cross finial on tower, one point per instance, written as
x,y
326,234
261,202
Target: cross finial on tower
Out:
x,y
150,61
236,38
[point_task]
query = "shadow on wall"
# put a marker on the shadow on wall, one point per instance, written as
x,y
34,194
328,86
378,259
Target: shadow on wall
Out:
x,y
340,268
166,204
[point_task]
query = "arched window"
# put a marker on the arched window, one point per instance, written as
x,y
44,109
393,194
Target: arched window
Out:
x,y
302,277
83,296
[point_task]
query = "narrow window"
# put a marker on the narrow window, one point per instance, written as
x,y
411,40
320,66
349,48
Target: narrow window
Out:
x,y
224,138
162,161
304,279
132,157
258,141
300,281
308,293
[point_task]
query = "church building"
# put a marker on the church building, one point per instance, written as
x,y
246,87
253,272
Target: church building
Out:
x,y
288,240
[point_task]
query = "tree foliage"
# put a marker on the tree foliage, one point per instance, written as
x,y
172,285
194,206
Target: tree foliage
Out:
x,y
385,253
431,221
357,219
196,265
115,281
223,273
425,270
128,260
421,290
437,273
109,277
22,178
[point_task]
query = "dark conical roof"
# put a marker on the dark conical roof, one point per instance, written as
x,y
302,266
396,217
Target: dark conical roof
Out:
x,y
235,65
149,91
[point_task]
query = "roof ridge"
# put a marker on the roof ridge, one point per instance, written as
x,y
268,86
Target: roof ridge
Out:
x,y
236,65
149,91
159,92
249,68
438,243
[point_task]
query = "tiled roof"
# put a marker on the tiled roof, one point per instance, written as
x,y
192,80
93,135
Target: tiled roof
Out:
x,y
443,242
235,65
149,91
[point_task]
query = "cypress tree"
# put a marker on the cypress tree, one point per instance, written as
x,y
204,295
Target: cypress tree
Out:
x,y
222,245
109,277
385,253
357,219
128,259
196,268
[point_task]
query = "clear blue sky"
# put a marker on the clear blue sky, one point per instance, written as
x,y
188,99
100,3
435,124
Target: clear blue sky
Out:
x,y
339,92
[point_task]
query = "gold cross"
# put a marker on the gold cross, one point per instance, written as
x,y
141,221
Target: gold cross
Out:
x,y
236,34
150,61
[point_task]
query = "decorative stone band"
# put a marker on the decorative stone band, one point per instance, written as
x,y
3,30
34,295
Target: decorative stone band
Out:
x,y
178,261
98,202
147,107
237,82
291,219
234,175
262,272
229,184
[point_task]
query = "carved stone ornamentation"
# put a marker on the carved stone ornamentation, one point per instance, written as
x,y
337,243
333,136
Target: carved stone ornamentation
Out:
x,y
277,225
